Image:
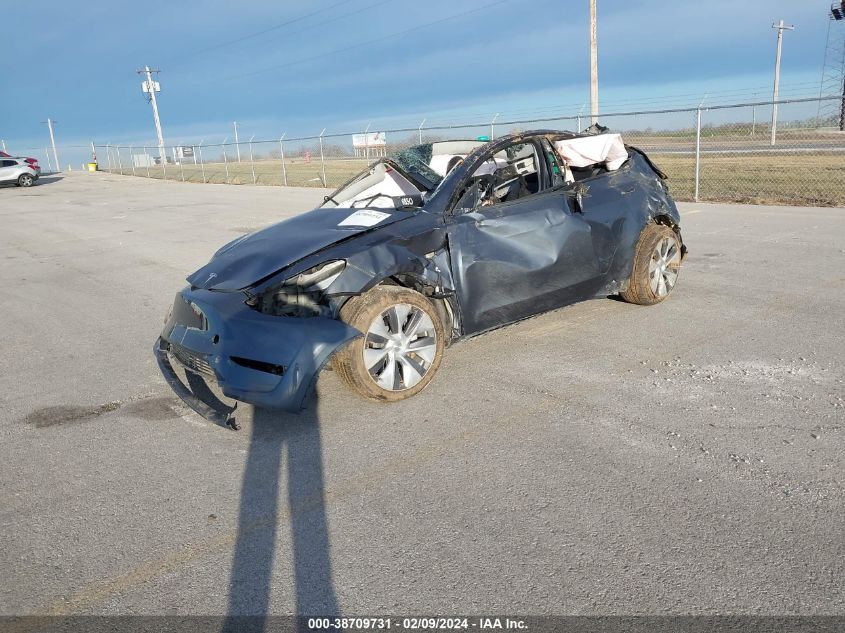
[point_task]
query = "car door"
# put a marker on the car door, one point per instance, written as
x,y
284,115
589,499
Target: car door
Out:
x,y
604,201
8,170
520,255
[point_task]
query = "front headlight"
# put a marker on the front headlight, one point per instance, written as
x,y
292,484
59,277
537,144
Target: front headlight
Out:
x,y
303,295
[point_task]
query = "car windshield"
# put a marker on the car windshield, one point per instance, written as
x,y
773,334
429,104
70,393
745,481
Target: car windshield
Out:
x,y
416,161
403,179
381,186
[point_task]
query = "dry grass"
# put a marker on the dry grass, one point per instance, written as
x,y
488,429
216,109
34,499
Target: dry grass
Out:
x,y
792,179
267,172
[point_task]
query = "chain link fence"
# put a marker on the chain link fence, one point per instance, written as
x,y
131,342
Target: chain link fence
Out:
x,y
724,153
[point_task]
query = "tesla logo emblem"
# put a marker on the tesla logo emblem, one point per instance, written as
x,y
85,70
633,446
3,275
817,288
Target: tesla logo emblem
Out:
x,y
210,277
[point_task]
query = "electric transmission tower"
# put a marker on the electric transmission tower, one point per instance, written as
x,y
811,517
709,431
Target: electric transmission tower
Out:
x,y
832,111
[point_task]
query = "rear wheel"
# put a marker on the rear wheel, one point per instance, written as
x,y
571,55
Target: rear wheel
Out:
x,y
657,261
401,348
25,180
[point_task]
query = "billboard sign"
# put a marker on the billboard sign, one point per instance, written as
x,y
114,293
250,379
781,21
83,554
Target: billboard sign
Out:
x,y
182,152
372,139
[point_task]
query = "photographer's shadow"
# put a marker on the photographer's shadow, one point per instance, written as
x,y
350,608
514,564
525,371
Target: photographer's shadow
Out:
x,y
278,437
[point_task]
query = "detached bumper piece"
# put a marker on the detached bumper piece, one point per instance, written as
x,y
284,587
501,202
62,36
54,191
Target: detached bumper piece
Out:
x,y
265,360
221,415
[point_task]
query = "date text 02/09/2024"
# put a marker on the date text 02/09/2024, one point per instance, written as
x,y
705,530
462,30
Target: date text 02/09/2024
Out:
x,y
416,623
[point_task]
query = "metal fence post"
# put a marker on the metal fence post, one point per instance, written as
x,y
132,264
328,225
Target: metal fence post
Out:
x,y
119,160
251,159
492,127
366,144
147,161
181,160
202,164
132,158
419,129
226,159
282,152
49,164
322,160
754,116
697,151
842,111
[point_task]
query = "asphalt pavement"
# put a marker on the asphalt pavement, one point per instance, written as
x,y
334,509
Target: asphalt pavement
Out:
x,y
602,458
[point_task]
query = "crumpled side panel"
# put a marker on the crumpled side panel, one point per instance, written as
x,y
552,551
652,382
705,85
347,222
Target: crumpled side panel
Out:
x,y
514,260
543,251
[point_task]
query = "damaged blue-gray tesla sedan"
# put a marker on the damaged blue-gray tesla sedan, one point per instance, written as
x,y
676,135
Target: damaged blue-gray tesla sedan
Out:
x,y
439,242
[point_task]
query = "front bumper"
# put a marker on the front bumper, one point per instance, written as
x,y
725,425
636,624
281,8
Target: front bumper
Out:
x,y
265,360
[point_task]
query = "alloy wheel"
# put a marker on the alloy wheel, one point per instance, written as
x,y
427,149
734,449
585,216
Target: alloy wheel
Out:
x,y
399,347
663,267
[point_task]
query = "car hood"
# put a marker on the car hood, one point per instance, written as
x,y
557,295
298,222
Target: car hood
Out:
x,y
254,257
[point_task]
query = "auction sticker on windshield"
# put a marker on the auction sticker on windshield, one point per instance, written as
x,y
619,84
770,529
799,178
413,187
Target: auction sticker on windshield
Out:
x,y
365,217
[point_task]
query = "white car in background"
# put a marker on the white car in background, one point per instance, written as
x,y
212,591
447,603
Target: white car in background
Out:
x,y
17,171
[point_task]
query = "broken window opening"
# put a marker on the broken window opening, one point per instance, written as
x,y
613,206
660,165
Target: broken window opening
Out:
x,y
506,176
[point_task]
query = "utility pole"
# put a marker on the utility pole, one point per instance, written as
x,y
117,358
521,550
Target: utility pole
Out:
x,y
780,28
237,147
594,66
151,87
53,142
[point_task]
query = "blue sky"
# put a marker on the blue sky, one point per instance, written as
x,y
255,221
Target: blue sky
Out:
x,y
345,66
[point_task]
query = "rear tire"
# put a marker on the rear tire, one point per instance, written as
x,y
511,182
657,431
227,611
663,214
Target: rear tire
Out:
x,y
25,180
657,262
401,348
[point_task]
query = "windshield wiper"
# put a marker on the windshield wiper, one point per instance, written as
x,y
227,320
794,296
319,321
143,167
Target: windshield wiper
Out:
x,y
367,201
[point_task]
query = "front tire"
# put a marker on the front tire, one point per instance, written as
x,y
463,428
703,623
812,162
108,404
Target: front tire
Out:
x,y
401,348
25,180
657,261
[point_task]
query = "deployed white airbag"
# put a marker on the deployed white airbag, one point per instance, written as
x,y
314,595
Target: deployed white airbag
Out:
x,y
593,150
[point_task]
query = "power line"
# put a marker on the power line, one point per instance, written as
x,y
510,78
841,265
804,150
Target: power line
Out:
x,y
569,110
343,16
363,44
264,31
